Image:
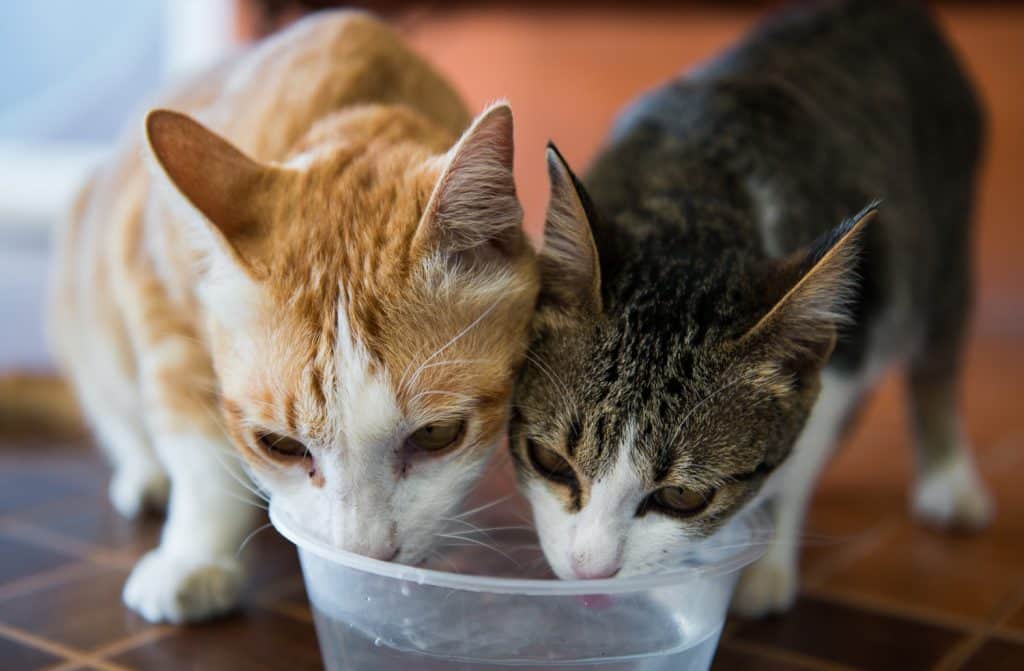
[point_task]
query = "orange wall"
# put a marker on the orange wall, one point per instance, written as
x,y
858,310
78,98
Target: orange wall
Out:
x,y
567,73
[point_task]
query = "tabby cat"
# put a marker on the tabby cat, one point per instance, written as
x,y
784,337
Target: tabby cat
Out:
x,y
319,276
711,315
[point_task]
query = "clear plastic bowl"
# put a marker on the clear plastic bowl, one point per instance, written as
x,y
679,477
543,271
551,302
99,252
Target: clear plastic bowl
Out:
x,y
375,616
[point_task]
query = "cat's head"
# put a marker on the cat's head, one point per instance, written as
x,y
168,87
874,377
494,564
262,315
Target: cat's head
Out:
x,y
642,424
367,305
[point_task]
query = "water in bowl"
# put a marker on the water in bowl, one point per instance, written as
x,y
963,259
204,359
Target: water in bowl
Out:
x,y
346,647
406,618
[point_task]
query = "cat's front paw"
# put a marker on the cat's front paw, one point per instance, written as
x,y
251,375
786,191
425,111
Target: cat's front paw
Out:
x,y
765,588
165,588
136,490
953,497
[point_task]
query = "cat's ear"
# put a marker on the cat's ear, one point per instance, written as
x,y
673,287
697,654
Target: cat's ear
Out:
x,y
569,266
474,206
816,286
225,186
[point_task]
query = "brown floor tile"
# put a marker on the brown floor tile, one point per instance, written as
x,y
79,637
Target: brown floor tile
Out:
x,y
84,613
959,575
93,520
14,655
254,641
996,655
729,658
853,637
296,596
920,569
269,558
21,490
844,521
1015,622
19,559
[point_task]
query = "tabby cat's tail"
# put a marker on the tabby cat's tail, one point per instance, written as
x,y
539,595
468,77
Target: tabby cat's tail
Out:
x,y
38,403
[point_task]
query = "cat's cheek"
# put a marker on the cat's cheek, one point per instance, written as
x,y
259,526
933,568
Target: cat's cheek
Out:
x,y
653,542
554,527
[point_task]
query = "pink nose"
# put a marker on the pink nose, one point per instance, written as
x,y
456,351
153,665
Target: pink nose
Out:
x,y
592,570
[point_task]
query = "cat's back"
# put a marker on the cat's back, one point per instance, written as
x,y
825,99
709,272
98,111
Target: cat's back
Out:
x,y
858,99
264,100
820,110
325,62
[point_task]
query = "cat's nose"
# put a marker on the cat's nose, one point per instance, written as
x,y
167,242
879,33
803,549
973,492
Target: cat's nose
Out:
x,y
387,554
584,568
382,552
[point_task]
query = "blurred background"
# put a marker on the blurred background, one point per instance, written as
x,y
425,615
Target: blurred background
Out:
x,y
74,74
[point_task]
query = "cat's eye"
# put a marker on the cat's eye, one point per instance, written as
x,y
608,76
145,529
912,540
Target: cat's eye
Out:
x,y
282,447
681,501
438,436
550,464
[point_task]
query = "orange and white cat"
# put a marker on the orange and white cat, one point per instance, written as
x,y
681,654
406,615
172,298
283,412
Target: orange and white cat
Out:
x,y
315,266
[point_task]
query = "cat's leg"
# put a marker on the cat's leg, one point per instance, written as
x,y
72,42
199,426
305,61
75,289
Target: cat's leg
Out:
x,y
194,574
89,338
947,490
139,482
770,585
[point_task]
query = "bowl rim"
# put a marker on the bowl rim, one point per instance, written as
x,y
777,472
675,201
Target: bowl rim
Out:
x,y
755,522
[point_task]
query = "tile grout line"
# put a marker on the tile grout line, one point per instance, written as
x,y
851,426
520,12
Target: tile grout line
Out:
x,y
1008,635
38,643
995,626
857,550
145,637
1001,612
44,509
42,537
75,659
958,654
781,655
45,579
885,606
87,665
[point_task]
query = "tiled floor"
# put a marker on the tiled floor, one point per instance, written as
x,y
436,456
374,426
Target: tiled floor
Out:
x,y
880,592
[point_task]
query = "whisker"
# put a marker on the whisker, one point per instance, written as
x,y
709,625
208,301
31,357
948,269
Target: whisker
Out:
x,y
517,527
250,537
484,507
482,544
403,382
544,368
702,403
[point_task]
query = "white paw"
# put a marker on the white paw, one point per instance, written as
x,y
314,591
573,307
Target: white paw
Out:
x,y
163,588
135,490
953,497
766,587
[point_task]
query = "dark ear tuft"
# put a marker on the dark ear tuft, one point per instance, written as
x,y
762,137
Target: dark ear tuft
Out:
x,y
819,283
569,265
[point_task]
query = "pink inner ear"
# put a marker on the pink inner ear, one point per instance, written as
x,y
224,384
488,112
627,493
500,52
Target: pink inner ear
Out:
x,y
475,202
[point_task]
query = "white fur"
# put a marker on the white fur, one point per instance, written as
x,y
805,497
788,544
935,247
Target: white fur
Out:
x,y
605,537
769,208
951,495
368,503
770,585
193,574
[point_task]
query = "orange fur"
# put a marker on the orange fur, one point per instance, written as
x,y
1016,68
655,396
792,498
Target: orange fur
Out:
x,y
324,181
